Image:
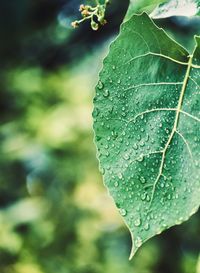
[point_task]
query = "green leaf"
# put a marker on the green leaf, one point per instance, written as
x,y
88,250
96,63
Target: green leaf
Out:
x,y
176,8
147,128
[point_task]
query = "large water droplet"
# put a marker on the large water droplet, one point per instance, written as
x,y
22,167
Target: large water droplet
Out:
x,y
123,212
106,93
137,222
95,112
146,226
100,85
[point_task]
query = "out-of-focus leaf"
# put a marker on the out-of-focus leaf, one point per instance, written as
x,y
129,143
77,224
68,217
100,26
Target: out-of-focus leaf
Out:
x,y
177,8
138,6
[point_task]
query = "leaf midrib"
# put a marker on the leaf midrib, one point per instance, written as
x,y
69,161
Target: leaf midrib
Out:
x,y
174,129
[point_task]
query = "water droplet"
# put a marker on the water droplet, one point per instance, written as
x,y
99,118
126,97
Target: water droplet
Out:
x,y
140,158
137,222
95,112
100,85
143,196
126,156
138,241
116,184
146,226
169,197
135,147
106,93
142,180
123,212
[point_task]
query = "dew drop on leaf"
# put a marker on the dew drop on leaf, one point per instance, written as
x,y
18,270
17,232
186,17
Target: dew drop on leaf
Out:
x,y
100,85
137,222
123,212
138,242
106,93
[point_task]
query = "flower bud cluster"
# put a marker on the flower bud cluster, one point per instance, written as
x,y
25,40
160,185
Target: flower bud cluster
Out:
x,y
96,15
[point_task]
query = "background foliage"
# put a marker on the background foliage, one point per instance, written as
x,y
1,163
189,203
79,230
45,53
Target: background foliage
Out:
x,y
55,215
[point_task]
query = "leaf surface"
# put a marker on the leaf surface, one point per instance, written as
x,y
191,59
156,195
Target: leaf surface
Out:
x,y
147,128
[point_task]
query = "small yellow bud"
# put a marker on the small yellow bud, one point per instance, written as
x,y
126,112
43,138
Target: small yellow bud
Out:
x,y
75,24
85,13
82,7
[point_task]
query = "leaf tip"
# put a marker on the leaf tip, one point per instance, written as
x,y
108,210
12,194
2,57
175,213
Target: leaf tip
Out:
x,y
133,247
133,251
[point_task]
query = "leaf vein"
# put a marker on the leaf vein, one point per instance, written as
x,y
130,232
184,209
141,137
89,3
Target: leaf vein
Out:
x,y
186,143
153,84
158,55
180,102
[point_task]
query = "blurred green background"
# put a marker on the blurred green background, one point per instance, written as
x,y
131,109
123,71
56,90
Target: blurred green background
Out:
x,y
55,214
